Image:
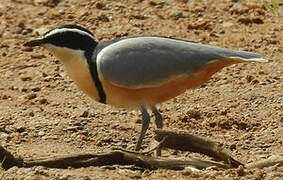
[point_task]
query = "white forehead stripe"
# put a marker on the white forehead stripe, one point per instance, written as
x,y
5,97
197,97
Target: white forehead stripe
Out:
x,y
57,31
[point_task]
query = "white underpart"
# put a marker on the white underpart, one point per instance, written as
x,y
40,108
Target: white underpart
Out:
x,y
57,31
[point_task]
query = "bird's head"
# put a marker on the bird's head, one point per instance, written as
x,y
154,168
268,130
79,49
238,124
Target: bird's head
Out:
x,y
66,41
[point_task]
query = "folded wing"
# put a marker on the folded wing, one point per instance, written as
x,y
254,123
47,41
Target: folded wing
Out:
x,y
143,62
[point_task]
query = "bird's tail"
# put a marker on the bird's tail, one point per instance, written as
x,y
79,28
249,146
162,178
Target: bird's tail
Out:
x,y
244,56
247,59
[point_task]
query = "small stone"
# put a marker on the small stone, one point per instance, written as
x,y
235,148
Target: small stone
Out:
x,y
61,12
20,129
31,96
24,134
84,114
35,89
255,81
249,78
26,78
31,114
74,135
215,168
38,56
240,170
107,139
99,5
24,90
3,136
227,24
27,31
72,128
65,177
232,146
4,96
27,49
273,41
43,101
102,17
44,74
41,133
247,20
13,88
192,113
176,15
48,78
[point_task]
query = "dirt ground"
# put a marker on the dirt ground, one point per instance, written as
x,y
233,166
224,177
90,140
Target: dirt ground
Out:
x,y
42,112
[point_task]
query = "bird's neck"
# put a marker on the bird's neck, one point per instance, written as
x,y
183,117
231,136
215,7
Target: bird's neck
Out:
x,y
77,68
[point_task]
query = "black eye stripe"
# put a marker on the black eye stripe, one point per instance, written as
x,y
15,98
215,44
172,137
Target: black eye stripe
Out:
x,y
72,40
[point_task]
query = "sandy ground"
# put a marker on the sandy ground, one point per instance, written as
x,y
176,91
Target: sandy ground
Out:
x,y
42,112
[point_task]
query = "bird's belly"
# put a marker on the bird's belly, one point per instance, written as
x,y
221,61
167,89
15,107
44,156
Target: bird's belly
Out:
x,y
134,98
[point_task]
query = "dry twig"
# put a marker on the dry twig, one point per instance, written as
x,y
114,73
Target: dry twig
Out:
x,y
175,141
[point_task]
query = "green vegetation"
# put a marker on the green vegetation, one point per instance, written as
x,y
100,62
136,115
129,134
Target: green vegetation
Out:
x,y
272,5
1,163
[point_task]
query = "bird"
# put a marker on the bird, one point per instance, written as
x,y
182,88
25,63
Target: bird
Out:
x,y
137,72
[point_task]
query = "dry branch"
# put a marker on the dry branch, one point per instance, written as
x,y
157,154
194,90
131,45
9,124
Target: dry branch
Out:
x,y
175,141
271,161
110,158
188,142
9,159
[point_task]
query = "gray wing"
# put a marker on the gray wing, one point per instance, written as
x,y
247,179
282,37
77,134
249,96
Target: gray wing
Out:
x,y
141,62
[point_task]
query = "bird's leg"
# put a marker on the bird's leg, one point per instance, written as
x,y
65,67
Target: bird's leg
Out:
x,y
159,124
145,124
158,118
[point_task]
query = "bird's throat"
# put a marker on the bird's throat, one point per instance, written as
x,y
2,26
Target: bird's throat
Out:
x,y
77,69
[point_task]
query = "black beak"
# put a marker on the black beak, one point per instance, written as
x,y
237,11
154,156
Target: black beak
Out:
x,y
36,42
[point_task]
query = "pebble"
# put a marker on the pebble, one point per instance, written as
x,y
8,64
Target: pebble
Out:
x,y
24,89
38,56
247,20
3,136
20,129
4,96
65,177
193,113
227,24
273,41
43,101
31,114
176,14
84,114
31,96
240,170
102,17
28,49
35,89
41,133
72,128
27,78
99,5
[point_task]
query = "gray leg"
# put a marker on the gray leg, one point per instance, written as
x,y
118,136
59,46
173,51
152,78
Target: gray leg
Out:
x,y
145,123
159,124
158,118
